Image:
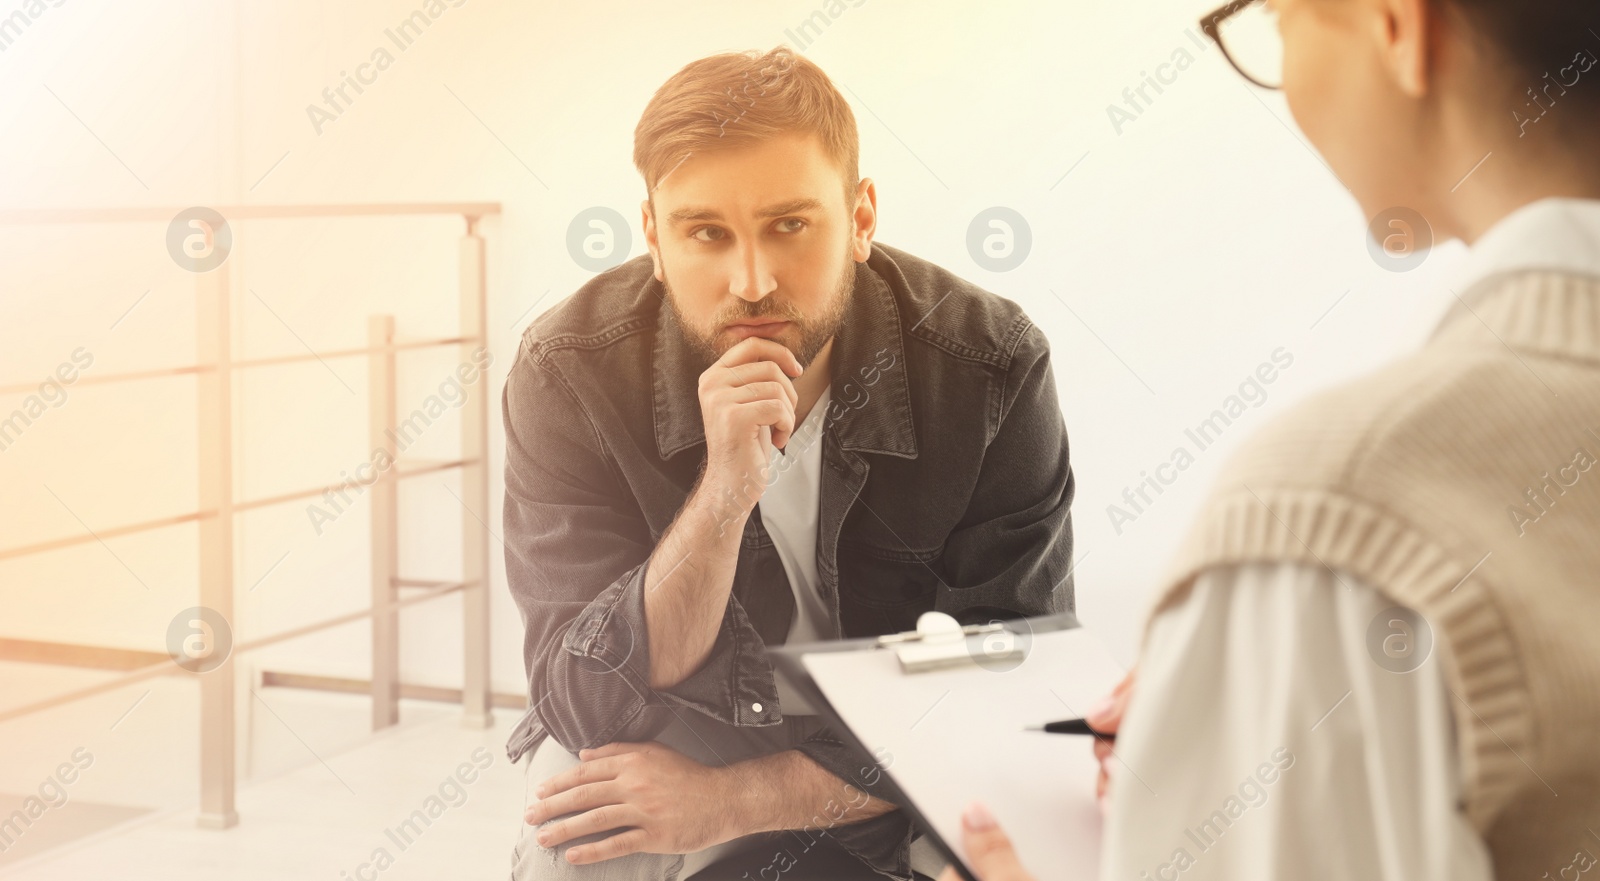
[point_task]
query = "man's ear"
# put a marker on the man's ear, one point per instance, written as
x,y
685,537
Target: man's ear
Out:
x,y
648,220
864,220
1407,30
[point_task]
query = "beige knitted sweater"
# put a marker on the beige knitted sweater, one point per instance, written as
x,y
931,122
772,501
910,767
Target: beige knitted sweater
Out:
x,y
1460,482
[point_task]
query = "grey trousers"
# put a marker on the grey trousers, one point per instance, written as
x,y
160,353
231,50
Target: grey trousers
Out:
x,y
704,741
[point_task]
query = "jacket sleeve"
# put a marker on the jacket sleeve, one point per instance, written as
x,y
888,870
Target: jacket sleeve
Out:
x,y
884,841
1011,554
577,553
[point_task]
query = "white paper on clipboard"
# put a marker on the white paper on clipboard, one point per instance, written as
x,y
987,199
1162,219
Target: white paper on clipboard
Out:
x,y
949,737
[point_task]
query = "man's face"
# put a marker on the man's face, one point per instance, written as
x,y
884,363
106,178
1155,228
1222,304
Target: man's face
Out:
x,y
757,240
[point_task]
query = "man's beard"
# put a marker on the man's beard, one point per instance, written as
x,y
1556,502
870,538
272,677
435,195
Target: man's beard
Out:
x,y
814,331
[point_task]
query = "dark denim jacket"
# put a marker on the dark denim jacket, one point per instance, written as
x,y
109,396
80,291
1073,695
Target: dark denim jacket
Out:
x,y
946,487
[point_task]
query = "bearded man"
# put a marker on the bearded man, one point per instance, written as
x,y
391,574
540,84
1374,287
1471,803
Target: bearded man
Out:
x,y
768,430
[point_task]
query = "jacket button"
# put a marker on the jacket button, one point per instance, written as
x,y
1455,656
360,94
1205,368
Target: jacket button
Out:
x,y
755,707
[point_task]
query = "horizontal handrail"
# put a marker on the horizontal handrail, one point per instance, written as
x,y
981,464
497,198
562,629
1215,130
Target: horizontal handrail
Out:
x,y
351,353
137,214
431,467
295,496
67,654
170,667
94,379
272,360
418,582
340,685
238,507
114,532
348,617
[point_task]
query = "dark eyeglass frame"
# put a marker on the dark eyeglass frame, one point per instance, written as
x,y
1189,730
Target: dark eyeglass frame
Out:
x,y
1211,25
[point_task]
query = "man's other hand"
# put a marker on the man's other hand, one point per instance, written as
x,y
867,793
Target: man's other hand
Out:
x,y
657,799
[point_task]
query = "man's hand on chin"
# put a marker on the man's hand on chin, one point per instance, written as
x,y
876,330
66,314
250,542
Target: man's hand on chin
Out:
x,y
652,797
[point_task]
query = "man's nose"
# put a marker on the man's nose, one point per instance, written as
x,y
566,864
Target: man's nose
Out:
x,y
752,278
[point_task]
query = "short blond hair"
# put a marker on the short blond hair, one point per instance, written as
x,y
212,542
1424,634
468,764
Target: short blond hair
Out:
x,y
740,98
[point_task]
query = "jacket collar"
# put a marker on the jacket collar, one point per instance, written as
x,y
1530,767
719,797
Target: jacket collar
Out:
x,y
870,389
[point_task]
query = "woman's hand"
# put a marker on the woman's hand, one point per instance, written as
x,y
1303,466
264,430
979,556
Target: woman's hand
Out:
x,y
1106,717
989,851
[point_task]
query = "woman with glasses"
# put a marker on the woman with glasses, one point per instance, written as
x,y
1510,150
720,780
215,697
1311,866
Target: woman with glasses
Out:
x,y
1377,656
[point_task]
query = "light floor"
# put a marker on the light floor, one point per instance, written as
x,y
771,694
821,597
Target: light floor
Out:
x,y
318,791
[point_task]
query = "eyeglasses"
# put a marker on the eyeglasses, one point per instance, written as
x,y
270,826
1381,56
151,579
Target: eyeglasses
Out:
x,y
1247,33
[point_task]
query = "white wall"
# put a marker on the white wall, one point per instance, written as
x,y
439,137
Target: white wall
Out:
x,y
1174,258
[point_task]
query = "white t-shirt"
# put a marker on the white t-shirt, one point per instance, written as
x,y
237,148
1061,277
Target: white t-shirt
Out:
x,y
789,510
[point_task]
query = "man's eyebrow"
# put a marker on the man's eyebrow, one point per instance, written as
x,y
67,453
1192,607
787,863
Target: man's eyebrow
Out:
x,y
793,206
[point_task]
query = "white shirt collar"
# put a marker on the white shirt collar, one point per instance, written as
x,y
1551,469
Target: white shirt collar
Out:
x,y
1555,234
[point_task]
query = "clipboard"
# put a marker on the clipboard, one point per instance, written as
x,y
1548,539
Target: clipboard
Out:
x,y
950,683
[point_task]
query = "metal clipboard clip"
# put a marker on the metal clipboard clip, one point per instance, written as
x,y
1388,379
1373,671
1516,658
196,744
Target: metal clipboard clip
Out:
x,y
940,642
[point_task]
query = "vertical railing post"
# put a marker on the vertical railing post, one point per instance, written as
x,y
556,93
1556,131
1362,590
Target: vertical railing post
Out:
x,y
214,455
385,523
475,685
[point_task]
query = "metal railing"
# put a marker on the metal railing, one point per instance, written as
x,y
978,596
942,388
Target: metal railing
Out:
x,y
213,372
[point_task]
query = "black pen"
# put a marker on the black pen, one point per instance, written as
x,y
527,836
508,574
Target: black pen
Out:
x,y
1068,726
